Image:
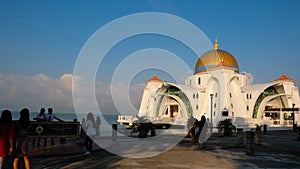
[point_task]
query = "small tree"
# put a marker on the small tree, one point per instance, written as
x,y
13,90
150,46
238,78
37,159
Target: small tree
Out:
x,y
142,126
258,128
227,127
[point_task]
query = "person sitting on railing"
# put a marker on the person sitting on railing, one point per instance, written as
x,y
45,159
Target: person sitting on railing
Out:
x,y
41,117
50,117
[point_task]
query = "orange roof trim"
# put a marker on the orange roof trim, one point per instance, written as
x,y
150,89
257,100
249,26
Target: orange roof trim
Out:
x,y
155,78
284,78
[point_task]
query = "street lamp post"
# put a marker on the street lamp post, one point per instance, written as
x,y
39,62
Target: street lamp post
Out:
x,y
211,111
293,115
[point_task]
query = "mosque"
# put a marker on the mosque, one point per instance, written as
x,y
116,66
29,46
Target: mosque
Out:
x,y
219,91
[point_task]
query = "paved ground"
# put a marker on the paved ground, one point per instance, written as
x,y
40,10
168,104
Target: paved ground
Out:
x,y
279,149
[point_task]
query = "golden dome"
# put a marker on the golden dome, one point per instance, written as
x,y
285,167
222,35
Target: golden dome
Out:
x,y
214,58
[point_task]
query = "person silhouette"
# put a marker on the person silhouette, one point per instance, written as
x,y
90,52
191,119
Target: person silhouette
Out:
x,y
40,117
21,138
98,123
50,117
6,136
90,133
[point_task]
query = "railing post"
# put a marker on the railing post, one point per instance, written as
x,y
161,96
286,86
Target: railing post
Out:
x,y
250,143
114,132
153,130
298,134
265,129
258,137
239,138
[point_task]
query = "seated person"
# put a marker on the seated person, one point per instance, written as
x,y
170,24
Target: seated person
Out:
x,y
41,117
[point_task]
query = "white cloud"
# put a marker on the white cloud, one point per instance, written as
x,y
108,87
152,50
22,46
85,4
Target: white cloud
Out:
x,y
43,91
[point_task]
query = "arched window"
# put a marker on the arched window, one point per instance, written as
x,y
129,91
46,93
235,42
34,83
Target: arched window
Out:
x,y
199,80
230,95
231,105
197,107
247,108
197,95
215,105
247,96
194,95
216,95
250,96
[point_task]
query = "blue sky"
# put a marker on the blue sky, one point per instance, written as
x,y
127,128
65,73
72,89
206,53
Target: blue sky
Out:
x,y
45,37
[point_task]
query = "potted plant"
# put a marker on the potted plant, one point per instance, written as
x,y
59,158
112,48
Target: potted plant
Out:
x,y
226,126
142,126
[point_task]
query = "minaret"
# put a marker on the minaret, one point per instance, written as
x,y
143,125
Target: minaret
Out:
x,y
216,45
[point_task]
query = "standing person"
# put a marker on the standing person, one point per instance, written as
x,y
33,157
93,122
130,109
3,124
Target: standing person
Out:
x,y
98,123
200,126
90,133
21,140
50,117
202,135
41,117
6,136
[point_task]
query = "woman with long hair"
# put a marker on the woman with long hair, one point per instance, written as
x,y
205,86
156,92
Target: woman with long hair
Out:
x,y
21,145
6,136
90,133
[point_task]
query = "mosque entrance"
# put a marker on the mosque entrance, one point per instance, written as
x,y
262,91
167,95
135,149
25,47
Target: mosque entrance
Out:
x,y
280,116
173,110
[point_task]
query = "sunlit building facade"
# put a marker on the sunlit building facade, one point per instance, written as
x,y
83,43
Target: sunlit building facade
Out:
x,y
219,91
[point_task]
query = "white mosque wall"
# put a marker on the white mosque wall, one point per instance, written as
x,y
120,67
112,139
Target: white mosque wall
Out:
x,y
231,91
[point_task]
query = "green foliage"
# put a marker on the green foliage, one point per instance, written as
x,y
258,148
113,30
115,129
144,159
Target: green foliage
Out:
x,y
142,126
226,126
258,128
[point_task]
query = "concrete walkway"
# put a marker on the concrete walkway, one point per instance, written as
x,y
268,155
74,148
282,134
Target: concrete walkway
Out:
x,y
279,149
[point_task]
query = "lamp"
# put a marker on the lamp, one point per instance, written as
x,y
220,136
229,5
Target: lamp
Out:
x,y
211,111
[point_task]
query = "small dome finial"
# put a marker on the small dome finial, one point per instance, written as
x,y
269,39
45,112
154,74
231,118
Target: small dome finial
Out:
x,y
216,45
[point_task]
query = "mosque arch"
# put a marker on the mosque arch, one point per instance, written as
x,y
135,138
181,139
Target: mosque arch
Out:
x,y
212,87
268,99
270,91
234,85
212,79
234,78
233,96
174,93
